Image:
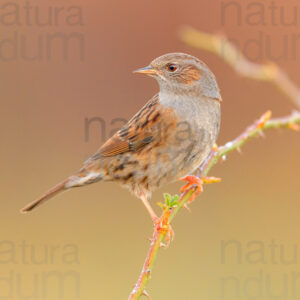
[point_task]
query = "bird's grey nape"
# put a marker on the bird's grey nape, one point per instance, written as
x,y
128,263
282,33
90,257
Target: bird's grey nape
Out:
x,y
209,85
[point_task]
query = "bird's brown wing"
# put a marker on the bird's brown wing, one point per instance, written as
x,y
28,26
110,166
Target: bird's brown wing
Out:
x,y
149,126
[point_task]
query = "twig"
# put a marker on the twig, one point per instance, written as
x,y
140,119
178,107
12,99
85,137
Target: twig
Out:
x,y
159,235
222,47
161,230
263,124
267,72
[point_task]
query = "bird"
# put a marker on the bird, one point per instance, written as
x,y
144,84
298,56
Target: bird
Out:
x,y
167,140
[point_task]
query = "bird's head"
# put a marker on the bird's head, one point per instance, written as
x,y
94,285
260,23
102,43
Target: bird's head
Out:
x,y
181,73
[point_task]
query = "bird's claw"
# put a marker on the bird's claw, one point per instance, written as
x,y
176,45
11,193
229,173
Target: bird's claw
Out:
x,y
194,181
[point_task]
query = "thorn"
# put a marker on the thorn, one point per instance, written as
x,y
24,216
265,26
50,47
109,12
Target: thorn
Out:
x,y
261,133
146,294
170,236
150,240
187,208
263,119
163,245
215,148
238,149
294,126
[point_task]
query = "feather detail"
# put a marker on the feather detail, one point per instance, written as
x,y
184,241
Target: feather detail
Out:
x,y
146,127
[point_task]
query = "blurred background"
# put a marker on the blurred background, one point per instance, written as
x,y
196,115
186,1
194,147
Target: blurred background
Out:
x,y
241,240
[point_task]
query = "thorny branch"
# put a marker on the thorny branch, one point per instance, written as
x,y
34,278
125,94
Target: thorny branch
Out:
x,y
161,230
172,205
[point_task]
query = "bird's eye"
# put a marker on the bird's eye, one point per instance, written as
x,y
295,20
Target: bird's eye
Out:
x,y
172,67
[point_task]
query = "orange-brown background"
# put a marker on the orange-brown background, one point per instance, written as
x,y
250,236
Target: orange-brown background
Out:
x,y
43,108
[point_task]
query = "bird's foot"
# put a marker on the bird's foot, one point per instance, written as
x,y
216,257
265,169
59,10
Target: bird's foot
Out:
x,y
196,182
192,181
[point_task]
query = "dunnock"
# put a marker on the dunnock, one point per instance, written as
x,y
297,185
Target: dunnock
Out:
x,y
167,139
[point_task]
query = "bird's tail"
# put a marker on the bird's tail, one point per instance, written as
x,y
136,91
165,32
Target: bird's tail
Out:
x,y
48,195
83,177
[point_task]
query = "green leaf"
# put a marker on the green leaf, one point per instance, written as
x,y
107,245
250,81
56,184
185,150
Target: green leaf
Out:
x,y
171,201
168,199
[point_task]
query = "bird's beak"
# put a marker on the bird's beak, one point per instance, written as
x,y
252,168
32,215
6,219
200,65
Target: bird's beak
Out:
x,y
149,70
